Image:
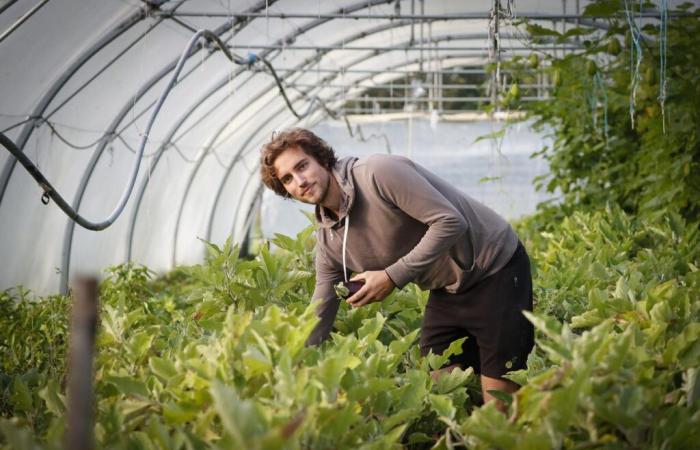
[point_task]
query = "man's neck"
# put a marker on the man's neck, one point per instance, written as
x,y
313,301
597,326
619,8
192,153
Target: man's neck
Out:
x,y
333,199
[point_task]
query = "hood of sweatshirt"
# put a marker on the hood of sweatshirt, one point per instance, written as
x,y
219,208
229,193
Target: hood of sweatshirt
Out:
x,y
341,172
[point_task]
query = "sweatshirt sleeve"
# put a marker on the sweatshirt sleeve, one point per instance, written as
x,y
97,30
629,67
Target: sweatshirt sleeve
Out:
x,y
326,278
401,184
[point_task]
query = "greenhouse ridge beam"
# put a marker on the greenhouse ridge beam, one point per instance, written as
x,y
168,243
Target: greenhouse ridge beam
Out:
x,y
464,16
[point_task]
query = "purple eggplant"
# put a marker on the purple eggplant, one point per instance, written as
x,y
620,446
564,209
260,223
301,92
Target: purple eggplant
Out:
x,y
353,286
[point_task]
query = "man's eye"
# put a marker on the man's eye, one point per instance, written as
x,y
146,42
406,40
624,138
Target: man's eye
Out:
x,y
286,180
303,165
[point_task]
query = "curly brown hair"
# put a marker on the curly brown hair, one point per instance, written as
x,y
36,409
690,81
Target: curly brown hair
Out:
x,y
310,144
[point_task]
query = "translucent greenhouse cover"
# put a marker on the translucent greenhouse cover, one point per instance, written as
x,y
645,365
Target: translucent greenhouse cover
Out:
x,y
79,80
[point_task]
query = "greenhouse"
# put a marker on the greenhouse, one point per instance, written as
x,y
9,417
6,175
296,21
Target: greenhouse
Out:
x,y
376,224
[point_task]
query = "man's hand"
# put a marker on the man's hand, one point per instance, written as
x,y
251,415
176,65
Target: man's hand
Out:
x,y
377,287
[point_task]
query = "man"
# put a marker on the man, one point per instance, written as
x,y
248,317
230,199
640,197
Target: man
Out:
x,y
392,222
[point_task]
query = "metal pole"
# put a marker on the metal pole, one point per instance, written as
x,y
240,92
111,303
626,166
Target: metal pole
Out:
x,y
401,85
22,19
494,51
82,343
365,48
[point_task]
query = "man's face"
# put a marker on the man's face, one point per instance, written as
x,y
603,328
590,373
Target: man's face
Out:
x,y
302,176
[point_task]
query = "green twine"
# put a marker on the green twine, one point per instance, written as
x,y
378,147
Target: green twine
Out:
x,y
600,86
597,87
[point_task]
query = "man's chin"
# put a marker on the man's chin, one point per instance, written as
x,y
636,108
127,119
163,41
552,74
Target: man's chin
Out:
x,y
308,200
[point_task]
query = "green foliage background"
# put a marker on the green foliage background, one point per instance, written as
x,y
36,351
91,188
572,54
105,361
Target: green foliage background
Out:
x,y
213,356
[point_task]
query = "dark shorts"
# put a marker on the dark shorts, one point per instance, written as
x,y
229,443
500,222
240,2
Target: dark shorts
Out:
x,y
489,314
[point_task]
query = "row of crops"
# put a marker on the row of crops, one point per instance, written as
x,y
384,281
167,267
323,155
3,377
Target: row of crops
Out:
x,y
213,356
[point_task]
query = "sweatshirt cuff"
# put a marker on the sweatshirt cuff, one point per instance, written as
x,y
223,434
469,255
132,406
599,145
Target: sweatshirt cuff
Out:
x,y
399,274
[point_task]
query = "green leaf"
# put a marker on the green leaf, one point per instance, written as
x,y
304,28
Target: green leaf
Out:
x,y
442,405
51,395
140,344
502,396
448,382
602,8
371,328
488,179
691,385
164,368
128,385
17,438
536,30
401,346
404,415
175,414
21,397
241,418
438,361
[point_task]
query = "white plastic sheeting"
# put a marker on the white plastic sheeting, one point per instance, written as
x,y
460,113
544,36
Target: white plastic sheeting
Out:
x,y
92,70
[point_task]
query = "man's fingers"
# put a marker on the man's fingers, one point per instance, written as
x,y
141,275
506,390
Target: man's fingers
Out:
x,y
361,297
358,277
356,296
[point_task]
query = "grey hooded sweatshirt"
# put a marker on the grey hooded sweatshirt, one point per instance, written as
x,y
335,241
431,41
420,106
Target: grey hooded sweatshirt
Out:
x,y
399,217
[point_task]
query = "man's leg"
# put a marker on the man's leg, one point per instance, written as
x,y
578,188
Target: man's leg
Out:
x,y
495,384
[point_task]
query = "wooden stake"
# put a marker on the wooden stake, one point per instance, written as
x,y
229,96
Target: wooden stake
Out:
x,y
82,343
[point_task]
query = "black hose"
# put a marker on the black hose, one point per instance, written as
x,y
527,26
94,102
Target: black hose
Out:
x,y
49,191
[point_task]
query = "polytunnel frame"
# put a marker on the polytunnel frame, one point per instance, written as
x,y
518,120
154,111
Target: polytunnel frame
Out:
x,y
313,59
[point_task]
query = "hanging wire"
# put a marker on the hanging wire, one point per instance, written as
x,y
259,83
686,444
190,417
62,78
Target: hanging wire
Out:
x,y
635,58
663,52
12,127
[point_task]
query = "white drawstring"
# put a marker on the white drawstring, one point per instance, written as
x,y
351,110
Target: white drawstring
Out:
x,y
345,239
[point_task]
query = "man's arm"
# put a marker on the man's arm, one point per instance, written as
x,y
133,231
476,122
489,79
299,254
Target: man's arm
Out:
x,y
326,278
400,183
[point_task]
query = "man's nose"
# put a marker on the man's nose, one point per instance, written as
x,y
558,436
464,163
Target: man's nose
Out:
x,y
301,180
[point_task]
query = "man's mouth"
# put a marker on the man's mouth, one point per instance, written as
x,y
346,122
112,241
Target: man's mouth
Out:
x,y
306,191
